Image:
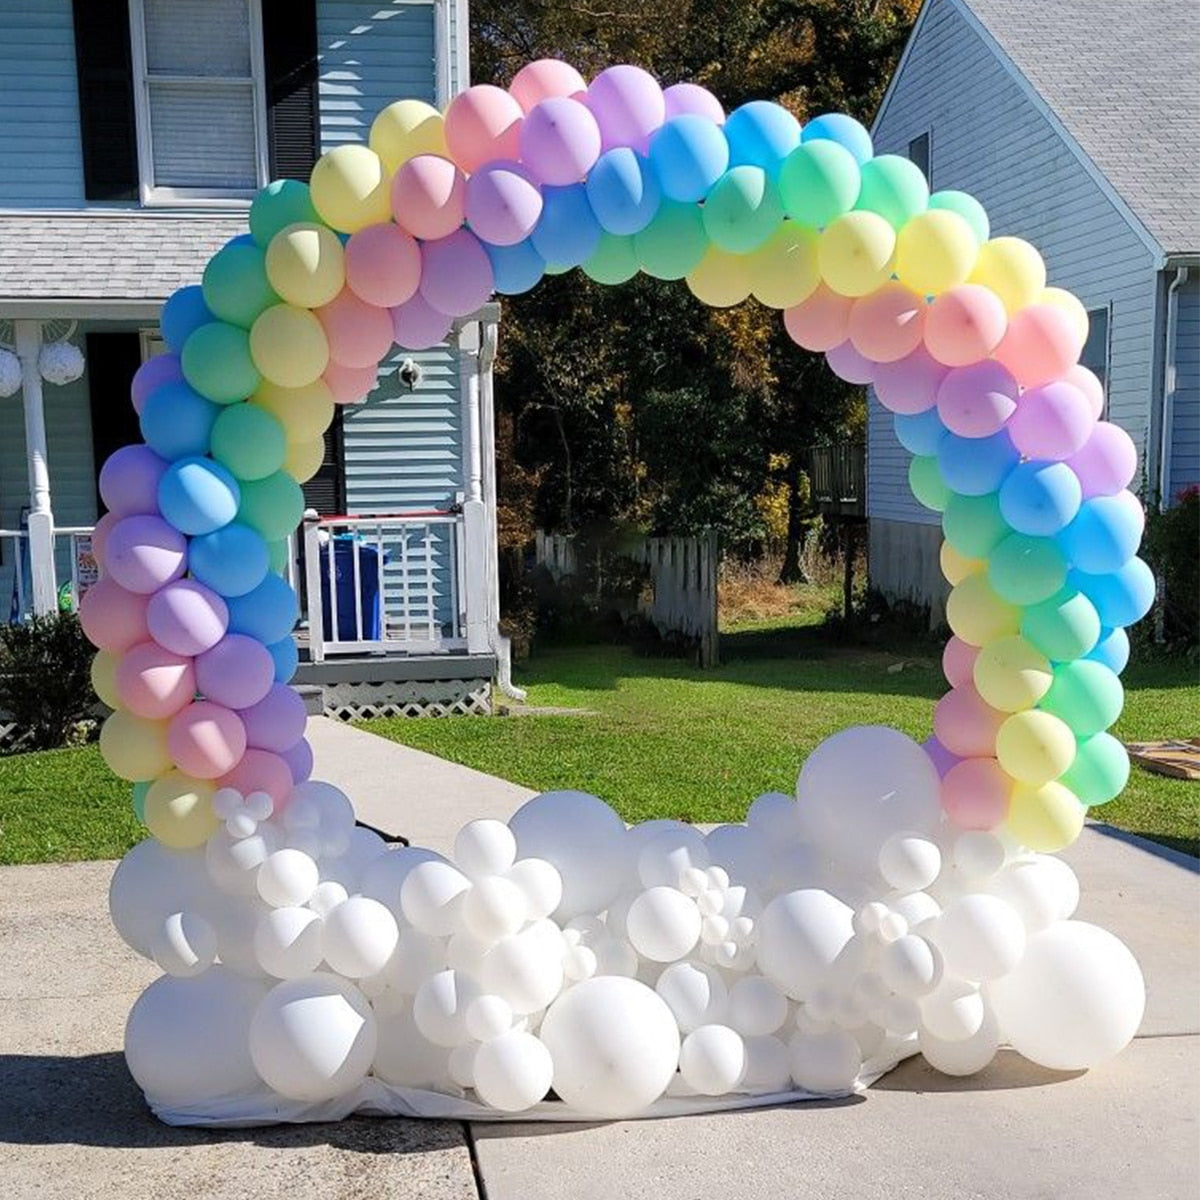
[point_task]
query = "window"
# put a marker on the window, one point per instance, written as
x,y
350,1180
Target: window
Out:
x,y
918,153
1095,349
199,99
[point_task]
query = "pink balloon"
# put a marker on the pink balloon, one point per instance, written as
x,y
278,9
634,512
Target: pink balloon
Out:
x,y
359,334
965,324
1107,462
682,99
428,192
100,534
112,618
186,617
206,740
261,771
153,682
129,480
941,758
299,759
978,400
886,325
456,274
1089,384
237,672
1042,343
417,325
560,141
976,793
277,721
628,106
1052,421
966,724
145,553
483,123
909,385
846,363
821,322
543,79
152,374
958,662
503,203
383,265
351,385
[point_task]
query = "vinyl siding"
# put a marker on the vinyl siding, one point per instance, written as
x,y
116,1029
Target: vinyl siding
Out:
x,y
41,156
1185,424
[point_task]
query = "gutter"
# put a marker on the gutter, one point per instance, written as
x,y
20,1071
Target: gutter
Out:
x,y
1169,387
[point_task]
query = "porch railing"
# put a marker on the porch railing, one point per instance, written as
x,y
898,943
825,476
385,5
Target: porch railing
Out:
x,y
73,559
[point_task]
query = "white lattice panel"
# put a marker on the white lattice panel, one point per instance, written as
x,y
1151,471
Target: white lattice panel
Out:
x,y
352,701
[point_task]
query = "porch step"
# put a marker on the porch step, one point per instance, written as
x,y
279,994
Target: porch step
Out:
x,y
313,696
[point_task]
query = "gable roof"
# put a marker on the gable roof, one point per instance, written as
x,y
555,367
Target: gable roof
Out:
x,y
1120,75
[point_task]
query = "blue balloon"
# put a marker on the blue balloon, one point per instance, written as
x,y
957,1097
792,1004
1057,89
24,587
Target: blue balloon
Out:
x,y
183,312
567,233
287,659
919,433
846,131
177,421
515,269
242,239
198,495
232,561
1104,534
761,134
268,613
1112,650
623,191
1121,597
689,154
1040,498
976,466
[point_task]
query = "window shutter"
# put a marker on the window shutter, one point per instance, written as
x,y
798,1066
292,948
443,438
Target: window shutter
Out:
x,y
290,57
326,490
106,115
112,359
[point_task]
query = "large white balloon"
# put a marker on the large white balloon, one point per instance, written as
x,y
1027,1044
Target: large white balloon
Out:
x,y
825,1063
494,907
967,1055
441,1005
712,1060
526,969
287,942
663,924
756,1006
432,897
1042,889
149,884
384,876
404,1056
360,936
483,848
952,1011
909,862
767,1066
696,994
287,877
800,934
513,1071
980,936
185,944
417,956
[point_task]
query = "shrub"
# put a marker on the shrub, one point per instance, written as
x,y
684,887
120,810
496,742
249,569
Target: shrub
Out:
x,y
1172,548
45,679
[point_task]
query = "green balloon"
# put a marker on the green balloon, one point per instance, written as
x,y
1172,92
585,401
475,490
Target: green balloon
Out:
x,y
613,260
139,799
894,188
282,203
1100,770
968,208
217,363
273,506
1086,694
236,288
673,243
249,441
1027,570
1064,627
743,210
558,269
819,181
974,525
926,482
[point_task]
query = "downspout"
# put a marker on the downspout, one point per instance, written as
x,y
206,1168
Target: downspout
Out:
x,y
1170,376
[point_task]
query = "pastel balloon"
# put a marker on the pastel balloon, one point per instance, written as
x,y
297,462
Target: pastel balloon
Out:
x,y
976,793
428,196
1089,384
206,740
965,324
848,364
186,618
818,182
977,614
359,334
628,106
519,267
1121,597
1040,497
236,286
935,251
855,252
965,724
304,412
894,187
230,561
248,441
1046,817
623,191
134,748
103,675
910,384
1027,570
1012,675
840,128
977,400
1112,649
546,77
1071,305
927,484
286,657
1100,770
919,433
267,613
673,243
177,421
958,661
1105,533
198,495
350,385
129,480
1052,421
567,233
151,375
688,154
974,525
261,771
289,346
145,553
742,211
1064,627
783,271
966,206
503,203
1042,343
976,466
182,314
218,363
349,187
483,123
820,322
281,203
956,566
1086,694
383,265
178,811
761,134
559,140
305,264
236,672
417,325
941,758
1035,747
154,683
100,532
681,98
405,129
1107,461
719,280
887,325
1013,269
276,721
272,506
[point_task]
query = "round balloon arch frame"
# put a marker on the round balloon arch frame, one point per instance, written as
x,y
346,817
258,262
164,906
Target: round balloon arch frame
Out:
x,y
906,898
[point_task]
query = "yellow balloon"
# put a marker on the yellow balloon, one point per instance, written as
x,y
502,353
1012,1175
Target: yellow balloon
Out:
x,y
350,188
1046,819
855,253
956,567
134,747
104,681
784,270
289,346
1035,747
303,459
935,251
977,615
1011,675
306,265
720,279
1013,269
405,129
304,412
179,810
1071,305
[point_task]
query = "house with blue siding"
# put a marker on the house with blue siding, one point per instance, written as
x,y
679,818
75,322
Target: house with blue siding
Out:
x,y
1070,122
133,135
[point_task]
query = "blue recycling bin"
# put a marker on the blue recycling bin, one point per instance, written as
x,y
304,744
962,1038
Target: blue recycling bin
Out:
x,y
370,568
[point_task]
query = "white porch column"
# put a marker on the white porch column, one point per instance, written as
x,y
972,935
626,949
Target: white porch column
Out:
x,y
469,364
41,517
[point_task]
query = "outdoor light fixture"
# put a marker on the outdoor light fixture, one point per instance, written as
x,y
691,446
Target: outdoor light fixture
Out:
x,y
60,362
10,373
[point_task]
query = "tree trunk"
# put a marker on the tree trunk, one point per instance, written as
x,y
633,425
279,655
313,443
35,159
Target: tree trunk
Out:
x,y
849,544
792,570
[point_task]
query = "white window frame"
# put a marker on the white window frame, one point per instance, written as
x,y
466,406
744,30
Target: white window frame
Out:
x,y
927,134
153,195
1106,382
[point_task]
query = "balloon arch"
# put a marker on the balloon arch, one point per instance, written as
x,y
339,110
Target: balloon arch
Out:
x,y
904,899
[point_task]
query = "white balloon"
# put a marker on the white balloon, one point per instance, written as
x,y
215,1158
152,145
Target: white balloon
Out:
x,y
767,1066
580,962
149,884
432,896
614,1044
911,966
663,924
321,809
909,862
513,1072
353,860
384,876
526,969
440,1007
967,1055
712,1060
185,945
540,884
695,994
980,936
287,877
870,990
313,1038
233,863
978,855
800,934
405,1057
663,858
900,1015
234,918
744,852
494,907
287,942
328,895
773,814
488,1017
484,848
615,956
462,1064
1042,889
826,1064
756,1006
465,953
1075,999
952,1011
360,936
417,956
915,908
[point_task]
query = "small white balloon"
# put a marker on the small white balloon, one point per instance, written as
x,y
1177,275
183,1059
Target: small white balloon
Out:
x,y
909,862
488,1017
513,1072
360,937
867,918
967,1055
417,956
287,942
915,908
892,925
693,882
978,855
756,1006
580,962
494,907
712,1060
405,1057
465,953
526,969
328,895
663,924
767,1066
665,857
773,814
826,1064
287,878
745,853
981,937
440,1007
483,848
714,930
800,934
952,1011
1042,889
461,1064
696,994
384,876
233,863
911,966
540,884
432,897
900,1015
185,945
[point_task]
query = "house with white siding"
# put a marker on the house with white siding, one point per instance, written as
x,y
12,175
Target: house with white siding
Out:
x,y
133,135
1071,123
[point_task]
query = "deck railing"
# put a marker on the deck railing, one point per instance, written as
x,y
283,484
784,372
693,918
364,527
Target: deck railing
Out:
x,y
72,558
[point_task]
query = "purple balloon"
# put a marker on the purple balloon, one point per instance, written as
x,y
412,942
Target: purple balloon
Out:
x,y
237,672
628,106
417,325
129,481
187,618
1107,462
942,759
560,140
846,363
910,384
152,374
503,203
299,759
456,274
277,721
691,98
144,553
977,400
1053,421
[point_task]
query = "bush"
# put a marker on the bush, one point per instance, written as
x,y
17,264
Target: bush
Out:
x,y
45,679
1172,548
